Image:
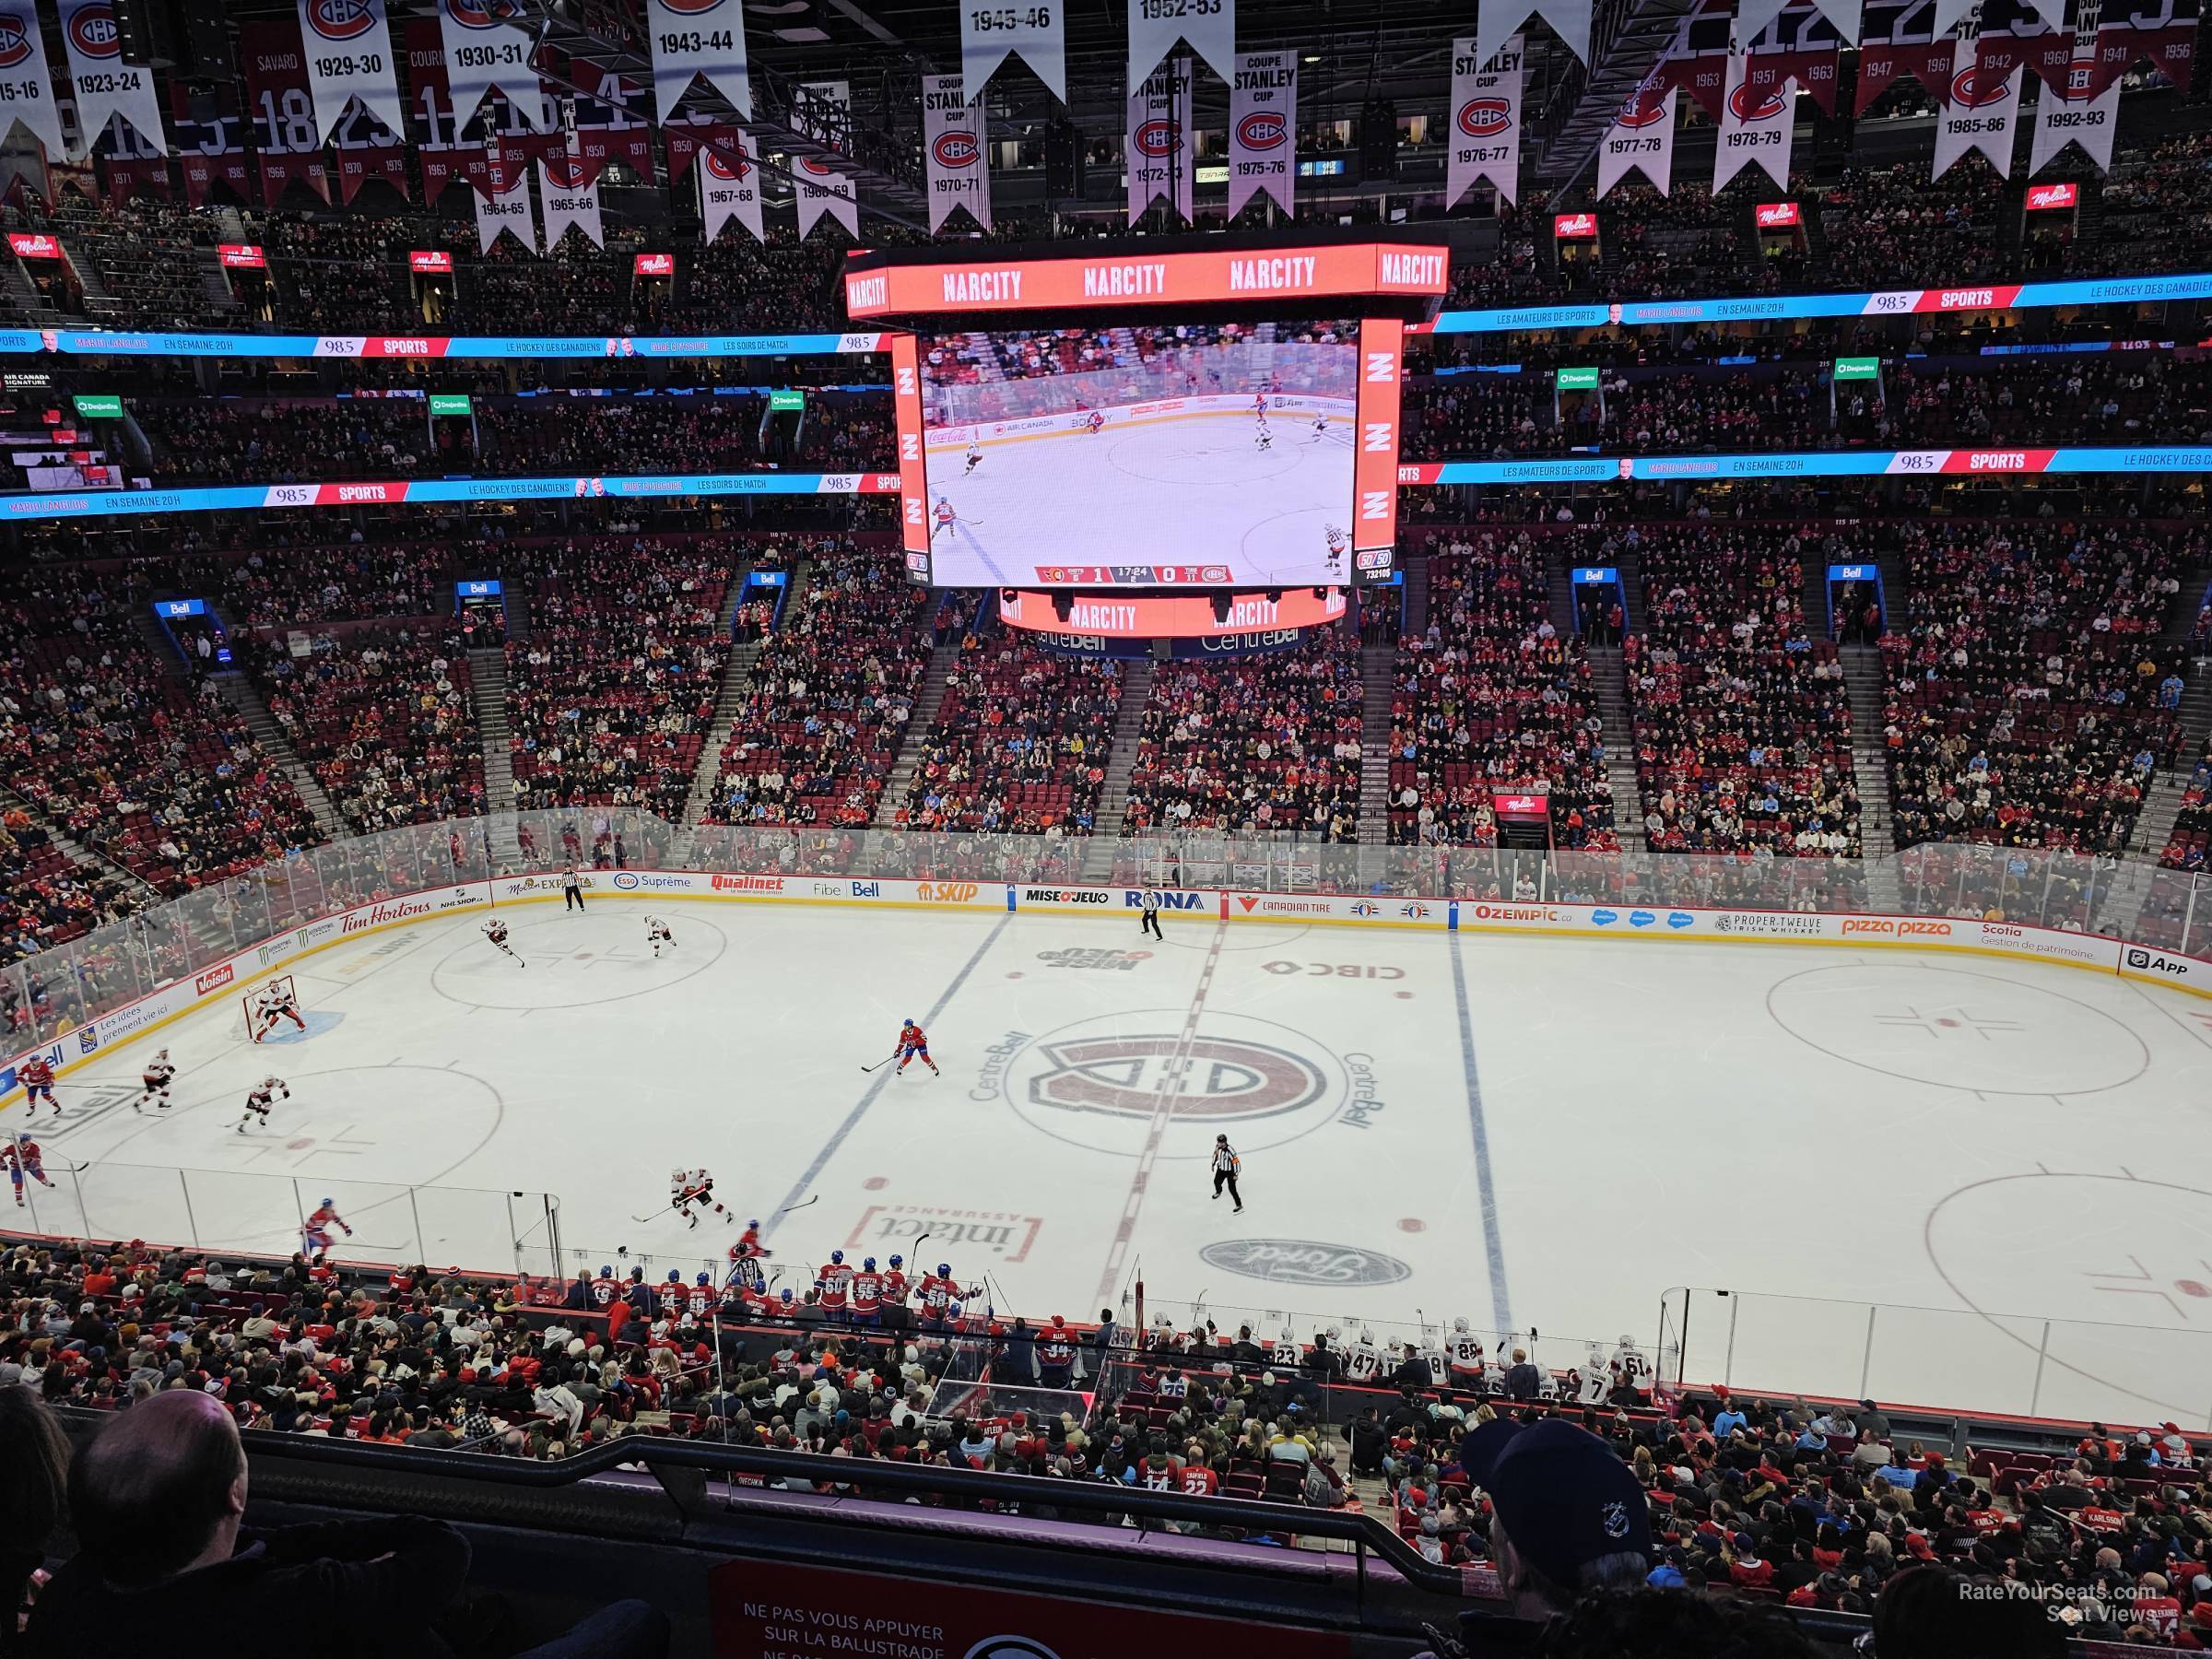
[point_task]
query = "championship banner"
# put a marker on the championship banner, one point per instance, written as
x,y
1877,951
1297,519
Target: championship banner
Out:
x,y
694,38
367,149
1814,71
1641,139
508,209
350,57
104,85
2076,115
1155,25
571,194
1978,116
287,149
212,151
1036,33
481,54
1485,134
26,86
131,164
821,187
1159,161
1495,20
952,146
1882,62
687,137
729,185
611,124
1263,129
1756,128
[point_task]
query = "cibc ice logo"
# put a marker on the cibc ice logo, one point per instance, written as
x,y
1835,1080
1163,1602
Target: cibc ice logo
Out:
x,y
956,149
1750,104
1156,138
341,19
1262,130
93,33
1485,117
1304,1261
14,41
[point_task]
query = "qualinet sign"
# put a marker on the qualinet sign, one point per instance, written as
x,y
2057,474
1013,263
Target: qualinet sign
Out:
x,y
748,884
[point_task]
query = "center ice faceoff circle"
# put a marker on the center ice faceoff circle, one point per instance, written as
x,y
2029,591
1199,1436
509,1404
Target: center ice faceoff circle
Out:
x,y
1111,1081
1958,1028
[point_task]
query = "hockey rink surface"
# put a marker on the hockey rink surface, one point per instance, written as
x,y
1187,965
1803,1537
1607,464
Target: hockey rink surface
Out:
x,y
1515,1131
1131,493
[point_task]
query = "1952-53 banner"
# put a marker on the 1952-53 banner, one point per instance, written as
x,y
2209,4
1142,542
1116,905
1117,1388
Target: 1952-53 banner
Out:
x,y
1485,135
1263,129
952,146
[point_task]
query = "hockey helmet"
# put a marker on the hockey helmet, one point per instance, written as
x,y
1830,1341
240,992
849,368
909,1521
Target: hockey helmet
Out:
x,y
606,1273
675,1174
703,1279
1460,1323
944,1269
867,1264
753,1224
786,1297
1058,1321
836,1257
674,1278
330,1204
898,1261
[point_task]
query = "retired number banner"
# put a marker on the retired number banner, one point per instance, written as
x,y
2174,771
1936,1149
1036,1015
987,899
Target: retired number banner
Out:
x,y
952,144
1263,129
1485,120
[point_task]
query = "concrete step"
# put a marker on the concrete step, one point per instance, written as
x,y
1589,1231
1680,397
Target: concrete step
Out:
x,y
1121,760
487,689
241,694
1375,665
921,721
1609,675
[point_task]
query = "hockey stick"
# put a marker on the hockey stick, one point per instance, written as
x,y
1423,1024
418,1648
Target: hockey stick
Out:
x,y
879,1064
802,1204
656,1215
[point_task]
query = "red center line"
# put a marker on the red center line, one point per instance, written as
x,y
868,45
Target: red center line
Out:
x,y
1171,1080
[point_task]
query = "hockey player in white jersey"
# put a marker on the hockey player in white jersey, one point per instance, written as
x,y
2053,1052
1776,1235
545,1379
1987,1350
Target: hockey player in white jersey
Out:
x,y
1364,1363
1465,1355
1631,1368
1597,1377
694,1189
274,1002
262,1098
496,931
975,457
154,1082
1434,1355
658,935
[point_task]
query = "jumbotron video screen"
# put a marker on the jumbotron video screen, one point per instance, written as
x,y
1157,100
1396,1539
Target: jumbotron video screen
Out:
x,y
1181,453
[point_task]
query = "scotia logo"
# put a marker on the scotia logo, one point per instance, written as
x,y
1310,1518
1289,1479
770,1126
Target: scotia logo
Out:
x,y
341,19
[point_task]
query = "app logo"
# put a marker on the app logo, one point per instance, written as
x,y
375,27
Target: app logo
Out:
x,y
1304,1261
1262,130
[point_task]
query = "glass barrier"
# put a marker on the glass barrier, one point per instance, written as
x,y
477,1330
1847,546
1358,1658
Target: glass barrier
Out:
x,y
247,1213
1945,1358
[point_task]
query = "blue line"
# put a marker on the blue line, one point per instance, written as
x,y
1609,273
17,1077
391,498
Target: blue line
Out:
x,y
1501,1308
821,1159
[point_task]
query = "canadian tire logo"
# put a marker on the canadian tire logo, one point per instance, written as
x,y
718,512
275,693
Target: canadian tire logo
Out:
x,y
341,19
1304,1261
1224,1079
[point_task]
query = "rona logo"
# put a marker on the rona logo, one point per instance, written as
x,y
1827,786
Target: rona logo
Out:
x,y
1304,1261
1224,1079
341,19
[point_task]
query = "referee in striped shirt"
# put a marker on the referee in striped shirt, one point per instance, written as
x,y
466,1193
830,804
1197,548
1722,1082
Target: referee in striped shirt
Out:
x,y
1225,1170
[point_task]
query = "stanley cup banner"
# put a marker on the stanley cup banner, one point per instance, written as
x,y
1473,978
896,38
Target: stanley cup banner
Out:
x,y
1033,31
693,38
1757,129
350,57
483,53
1979,115
1263,129
729,185
26,86
1157,143
952,144
822,188
104,85
570,197
1641,139
1485,134
507,210
2076,115
1208,26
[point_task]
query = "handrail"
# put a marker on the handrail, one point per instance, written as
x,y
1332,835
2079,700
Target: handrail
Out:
x,y
915,1479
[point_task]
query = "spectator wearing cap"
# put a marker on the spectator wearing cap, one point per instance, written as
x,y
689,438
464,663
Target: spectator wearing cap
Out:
x,y
1568,1517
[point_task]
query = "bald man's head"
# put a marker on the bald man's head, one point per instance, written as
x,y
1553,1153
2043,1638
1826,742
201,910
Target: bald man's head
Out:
x,y
158,1486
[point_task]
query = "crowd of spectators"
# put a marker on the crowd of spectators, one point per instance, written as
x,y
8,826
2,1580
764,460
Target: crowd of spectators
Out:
x,y
1266,745
146,256
1743,722
831,692
383,717
1489,697
2029,696
1020,741
1889,227
342,581
46,899
610,698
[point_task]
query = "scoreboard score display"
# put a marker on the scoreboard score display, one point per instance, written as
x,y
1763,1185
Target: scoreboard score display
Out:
x,y
1136,419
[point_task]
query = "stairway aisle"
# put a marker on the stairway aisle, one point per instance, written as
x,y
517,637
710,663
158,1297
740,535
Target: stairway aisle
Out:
x,y
1375,663
1121,760
1619,734
1870,771
487,690
920,720
239,693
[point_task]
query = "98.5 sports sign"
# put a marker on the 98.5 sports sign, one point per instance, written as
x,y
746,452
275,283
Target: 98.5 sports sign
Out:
x,y
773,1610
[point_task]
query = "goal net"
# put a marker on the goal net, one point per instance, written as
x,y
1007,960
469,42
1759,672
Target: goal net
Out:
x,y
249,1005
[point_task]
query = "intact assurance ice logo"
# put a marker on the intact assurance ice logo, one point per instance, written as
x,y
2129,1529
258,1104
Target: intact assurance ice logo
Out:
x,y
1304,1261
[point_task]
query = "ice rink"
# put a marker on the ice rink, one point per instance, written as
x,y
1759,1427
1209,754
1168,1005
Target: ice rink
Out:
x,y
1522,1132
1192,489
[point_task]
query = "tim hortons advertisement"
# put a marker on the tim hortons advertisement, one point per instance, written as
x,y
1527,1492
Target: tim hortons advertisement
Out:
x,y
773,1610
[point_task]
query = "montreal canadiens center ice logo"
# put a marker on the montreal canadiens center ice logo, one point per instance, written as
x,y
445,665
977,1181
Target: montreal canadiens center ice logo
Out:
x,y
1227,1078
1485,117
341,19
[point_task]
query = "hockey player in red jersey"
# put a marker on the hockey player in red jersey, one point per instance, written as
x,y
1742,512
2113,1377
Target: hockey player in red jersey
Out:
x,y
937,1292
314,1238
701,1299
913,1045
744,1259
1055,1354
867,1294
37,1078
24,1158
894,1284
834,1282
